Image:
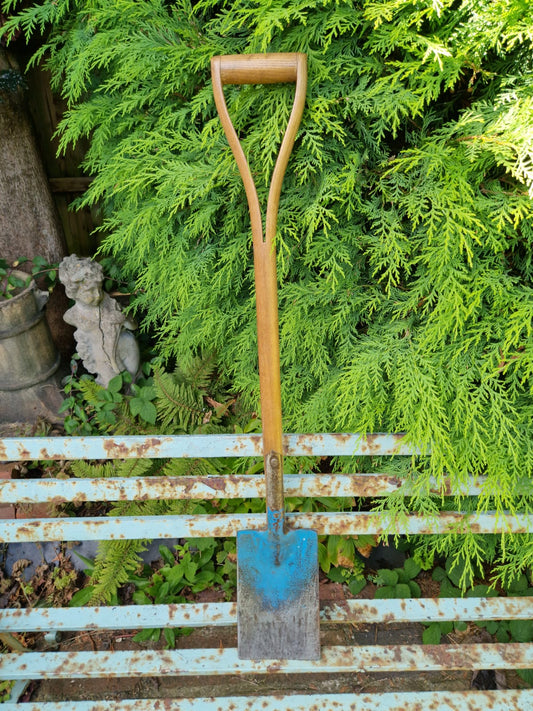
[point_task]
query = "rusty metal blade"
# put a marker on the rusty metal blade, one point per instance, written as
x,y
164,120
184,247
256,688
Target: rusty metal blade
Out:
x,y
277,593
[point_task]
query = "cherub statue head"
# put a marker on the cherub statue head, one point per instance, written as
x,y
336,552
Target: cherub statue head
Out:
x,y
82,279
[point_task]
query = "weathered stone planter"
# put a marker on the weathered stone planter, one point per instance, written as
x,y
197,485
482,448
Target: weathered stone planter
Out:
x,y
28,358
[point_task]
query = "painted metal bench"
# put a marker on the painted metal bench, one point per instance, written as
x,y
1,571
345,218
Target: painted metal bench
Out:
x,y
213,662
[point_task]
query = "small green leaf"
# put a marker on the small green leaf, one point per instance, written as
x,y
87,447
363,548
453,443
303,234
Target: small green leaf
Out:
x,y
402,575
403,590
492,626
519,585
144,408
432,634
336,575
414,587
502,633
355,585
81,597
387,577
460,626
170,637
323,558
147,634
115,384
448,590
411,568
439,574
140,598
455,570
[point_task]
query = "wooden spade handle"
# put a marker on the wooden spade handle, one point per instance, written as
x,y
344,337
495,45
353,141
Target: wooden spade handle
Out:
x,y
259,68
265,69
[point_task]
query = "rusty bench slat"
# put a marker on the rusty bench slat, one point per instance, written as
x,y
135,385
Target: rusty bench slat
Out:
x,y
225,614
30,491
217,662
226,525
514,700
13,449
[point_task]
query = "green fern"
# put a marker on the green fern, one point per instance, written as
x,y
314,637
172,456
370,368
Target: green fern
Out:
x,y
114,564
182,407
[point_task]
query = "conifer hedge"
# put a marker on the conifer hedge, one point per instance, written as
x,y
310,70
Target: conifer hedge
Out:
x,y
405,232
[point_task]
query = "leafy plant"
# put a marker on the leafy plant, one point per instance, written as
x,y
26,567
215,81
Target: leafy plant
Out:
x,y
398,582
11,283
451,579
5,690
93,409
193,567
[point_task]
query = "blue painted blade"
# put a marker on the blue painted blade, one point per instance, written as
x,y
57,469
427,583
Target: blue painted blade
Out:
x,y
277,595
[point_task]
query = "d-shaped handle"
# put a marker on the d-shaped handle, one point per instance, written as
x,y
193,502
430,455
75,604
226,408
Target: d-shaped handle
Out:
x,y
265,69
261,69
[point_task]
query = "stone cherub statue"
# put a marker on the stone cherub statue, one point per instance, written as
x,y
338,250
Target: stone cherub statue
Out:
x,y
106,345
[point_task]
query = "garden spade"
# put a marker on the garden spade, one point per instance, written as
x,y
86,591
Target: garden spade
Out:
x,y
277,569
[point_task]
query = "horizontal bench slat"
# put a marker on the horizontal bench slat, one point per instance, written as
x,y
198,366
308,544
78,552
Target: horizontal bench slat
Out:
x,y
29,491
209,662
224,525
14,449
225,614
512,700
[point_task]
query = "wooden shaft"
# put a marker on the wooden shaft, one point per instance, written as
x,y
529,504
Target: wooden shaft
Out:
x,y
266,68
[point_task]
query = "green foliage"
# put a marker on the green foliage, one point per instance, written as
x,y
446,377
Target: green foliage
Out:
x,y
5,690
338,558
196,565
452,584
399,582
159,403
11,283
92,409
405,230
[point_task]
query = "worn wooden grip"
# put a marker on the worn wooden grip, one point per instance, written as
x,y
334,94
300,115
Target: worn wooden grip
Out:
x,y
259,68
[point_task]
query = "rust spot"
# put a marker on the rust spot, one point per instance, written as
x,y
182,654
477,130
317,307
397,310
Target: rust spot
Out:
x,y
118,450
306,443
24,454
218,483
274,668
3,451
445,489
